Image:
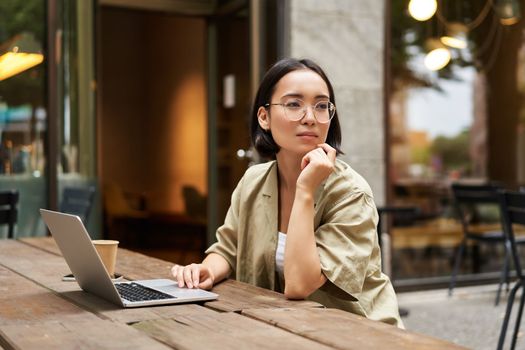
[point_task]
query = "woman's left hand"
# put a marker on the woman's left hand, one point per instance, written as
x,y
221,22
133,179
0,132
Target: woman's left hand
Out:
x,y
316,166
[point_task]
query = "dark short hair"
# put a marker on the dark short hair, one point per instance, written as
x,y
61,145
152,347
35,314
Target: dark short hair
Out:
x,y
263,140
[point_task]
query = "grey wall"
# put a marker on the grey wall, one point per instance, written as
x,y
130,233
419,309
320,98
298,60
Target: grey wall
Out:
x,y
346,37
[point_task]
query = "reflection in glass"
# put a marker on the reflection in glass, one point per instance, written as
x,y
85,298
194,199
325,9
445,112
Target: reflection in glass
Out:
x,y
23,113
462,123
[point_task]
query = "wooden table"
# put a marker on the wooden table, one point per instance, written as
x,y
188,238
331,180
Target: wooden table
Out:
x,y
39,311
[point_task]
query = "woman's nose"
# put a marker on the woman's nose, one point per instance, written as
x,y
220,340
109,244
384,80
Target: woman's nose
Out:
x,y
309,117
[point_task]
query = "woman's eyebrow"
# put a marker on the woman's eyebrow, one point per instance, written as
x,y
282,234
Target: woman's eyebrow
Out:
x,y
293,94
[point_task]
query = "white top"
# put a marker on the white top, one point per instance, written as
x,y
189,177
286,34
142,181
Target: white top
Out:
x,y
279,254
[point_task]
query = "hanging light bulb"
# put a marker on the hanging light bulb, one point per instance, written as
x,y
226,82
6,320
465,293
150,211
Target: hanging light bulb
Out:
x,y
422,10
509,12
438,55
19,54
456,36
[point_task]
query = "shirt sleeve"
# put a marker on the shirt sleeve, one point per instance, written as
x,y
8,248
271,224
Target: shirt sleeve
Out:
x,y
345,240
226,235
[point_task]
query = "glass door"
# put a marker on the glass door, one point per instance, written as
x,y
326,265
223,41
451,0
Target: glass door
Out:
x,y
75,142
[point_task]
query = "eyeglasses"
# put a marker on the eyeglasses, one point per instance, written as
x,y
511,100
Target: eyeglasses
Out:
x,y
295,110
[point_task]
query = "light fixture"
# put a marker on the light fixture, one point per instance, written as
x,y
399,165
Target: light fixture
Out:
x,y
19,54
422,10
438,55
508,11
456,36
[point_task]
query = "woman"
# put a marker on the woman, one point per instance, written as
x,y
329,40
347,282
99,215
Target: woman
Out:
x,y
305,223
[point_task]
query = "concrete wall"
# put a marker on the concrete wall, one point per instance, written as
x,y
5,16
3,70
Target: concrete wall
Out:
x,y
346,37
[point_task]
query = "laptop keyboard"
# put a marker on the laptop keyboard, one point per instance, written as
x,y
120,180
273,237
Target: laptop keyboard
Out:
x,y
137,292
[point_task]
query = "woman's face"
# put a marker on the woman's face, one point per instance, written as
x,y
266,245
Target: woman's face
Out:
x,y
299,136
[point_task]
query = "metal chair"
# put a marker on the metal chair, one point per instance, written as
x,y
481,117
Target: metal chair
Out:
x,y
78,201
467,198
8,210
513,212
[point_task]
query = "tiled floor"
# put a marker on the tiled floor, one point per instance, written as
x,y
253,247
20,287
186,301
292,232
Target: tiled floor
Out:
x,y
468,318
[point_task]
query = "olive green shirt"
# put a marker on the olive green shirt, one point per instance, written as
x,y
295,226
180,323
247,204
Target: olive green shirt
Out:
x,y
345,222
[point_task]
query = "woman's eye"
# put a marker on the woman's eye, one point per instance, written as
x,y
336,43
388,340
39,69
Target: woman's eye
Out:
x,y
322,106
293,104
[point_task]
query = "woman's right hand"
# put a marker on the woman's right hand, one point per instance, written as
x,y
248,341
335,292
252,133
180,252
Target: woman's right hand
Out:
x,y
193,276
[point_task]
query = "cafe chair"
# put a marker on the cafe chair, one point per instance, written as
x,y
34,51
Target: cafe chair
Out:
x,y
8,210
468,200
78,201
513,213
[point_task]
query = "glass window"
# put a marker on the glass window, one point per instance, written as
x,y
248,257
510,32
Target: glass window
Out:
x,y
456,115
23,114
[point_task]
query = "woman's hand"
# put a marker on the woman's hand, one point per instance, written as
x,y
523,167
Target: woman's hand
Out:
x,y
193,276
316,166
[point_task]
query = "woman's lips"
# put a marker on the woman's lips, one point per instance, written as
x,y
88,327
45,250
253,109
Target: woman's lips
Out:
x,y
307,134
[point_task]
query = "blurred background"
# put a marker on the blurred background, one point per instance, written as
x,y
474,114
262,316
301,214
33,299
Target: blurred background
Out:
x,y
146,103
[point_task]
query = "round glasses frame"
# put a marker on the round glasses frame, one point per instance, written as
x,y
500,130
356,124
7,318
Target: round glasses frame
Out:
x,y
301,111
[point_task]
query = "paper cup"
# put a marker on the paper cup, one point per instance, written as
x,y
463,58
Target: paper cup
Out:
x,y
107,250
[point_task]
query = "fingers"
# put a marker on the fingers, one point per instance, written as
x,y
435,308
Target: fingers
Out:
x,y
177,271
305,160
195,274
323,154
329,150
186,275
316,166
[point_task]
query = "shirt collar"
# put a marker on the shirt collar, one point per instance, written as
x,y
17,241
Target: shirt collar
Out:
x,y
271,189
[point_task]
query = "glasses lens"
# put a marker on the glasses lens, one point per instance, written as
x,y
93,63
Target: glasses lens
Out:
x,y
294,109
324,111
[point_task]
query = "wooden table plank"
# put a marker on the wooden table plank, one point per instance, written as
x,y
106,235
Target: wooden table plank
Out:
x,y
22,301
236,296
233,296
75,335
344,330
32,317
130,264
223,331
45,243
265,319
47,269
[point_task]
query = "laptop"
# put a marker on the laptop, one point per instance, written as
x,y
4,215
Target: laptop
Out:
x,y
75,244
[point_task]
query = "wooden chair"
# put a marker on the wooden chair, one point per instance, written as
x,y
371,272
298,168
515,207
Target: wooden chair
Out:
x,y
78,201
467,200
513,212
8,210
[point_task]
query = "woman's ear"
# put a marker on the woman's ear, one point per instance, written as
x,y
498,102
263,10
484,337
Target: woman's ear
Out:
x,y
264,118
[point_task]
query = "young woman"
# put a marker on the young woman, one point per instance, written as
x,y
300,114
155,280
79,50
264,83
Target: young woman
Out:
x,y
305,222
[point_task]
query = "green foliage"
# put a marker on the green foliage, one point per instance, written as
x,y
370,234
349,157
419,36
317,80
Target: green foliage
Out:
x,y
22,15
453,151
408,38
420,155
